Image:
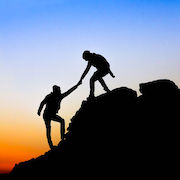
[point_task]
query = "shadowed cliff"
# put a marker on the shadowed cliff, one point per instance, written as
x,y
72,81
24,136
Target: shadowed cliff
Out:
x,y
116,134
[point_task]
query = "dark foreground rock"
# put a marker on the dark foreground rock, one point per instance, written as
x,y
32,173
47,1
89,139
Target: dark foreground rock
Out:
x,y
115,135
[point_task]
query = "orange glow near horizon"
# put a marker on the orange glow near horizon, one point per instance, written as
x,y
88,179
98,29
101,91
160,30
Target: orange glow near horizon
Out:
x,y
41,44
13,154
22,137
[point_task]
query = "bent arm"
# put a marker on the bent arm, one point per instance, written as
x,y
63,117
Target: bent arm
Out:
x,y
41,107
85,71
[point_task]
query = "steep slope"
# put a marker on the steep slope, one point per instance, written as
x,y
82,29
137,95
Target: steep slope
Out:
x,y
116,134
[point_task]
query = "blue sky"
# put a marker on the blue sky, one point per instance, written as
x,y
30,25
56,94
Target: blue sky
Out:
x,y
41,43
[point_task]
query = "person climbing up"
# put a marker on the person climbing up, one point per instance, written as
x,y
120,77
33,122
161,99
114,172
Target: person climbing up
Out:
x,y
103,68
52,102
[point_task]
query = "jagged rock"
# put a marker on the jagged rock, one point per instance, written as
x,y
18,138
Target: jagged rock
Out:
x,y
158,87
115,134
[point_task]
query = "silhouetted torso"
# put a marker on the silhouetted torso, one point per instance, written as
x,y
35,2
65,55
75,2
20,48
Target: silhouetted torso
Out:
x,y
99,62
53,102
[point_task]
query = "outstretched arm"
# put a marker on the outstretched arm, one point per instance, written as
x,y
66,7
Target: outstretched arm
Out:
x,y
70,90
85,72
41,106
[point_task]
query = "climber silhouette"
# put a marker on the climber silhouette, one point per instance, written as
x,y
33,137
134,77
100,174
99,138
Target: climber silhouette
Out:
x,y
52,102
103,68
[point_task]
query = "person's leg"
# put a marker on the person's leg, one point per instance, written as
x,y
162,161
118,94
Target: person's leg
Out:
x,y
62,122
98,76
48,132
103,84
92,83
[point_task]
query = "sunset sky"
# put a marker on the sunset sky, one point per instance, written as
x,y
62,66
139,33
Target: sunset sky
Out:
x,y
41,44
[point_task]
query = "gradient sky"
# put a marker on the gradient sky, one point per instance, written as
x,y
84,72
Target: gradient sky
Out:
x,y
41,43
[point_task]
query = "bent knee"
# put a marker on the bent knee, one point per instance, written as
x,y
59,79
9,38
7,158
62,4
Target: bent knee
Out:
x,y
93,79
60,119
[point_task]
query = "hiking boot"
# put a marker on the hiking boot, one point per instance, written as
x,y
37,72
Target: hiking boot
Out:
x,y
90,98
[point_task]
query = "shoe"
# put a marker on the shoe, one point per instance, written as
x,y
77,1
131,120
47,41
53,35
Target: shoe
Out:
x,y
107,90
90,98
53,147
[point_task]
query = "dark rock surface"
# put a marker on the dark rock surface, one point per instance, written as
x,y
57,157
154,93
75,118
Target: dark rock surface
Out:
x,y
115,135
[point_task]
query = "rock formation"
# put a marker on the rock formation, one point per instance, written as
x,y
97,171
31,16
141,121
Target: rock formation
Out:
x,y
117,134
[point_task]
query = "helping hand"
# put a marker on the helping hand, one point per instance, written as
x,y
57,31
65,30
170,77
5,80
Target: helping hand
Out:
x,y
39,113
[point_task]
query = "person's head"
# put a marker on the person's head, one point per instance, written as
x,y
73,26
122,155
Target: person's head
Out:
x,y
56,89
86,55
